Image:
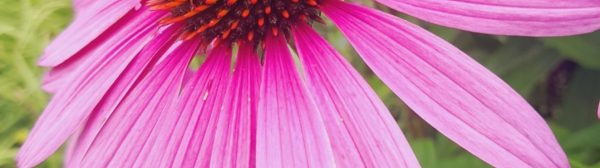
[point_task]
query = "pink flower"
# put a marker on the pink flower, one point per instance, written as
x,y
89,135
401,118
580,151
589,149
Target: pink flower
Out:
x,y
125,94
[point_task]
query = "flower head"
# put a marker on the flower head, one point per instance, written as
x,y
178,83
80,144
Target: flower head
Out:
x,y
127,97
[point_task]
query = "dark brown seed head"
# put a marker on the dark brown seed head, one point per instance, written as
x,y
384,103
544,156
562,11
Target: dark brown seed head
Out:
x,y
237,20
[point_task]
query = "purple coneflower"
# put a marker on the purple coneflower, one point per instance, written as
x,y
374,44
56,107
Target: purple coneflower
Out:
x,y
126,96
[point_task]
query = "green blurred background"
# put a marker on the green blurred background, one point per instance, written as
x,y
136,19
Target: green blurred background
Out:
x,y
559,76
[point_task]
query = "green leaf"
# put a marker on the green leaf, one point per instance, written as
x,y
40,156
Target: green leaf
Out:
x,y
586,138
584,50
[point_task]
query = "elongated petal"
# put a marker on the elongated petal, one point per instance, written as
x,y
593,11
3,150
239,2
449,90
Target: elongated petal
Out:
x,y
190,129
163,134
290,129
61,72
236,128
81,5
361,129
87,8
69,109
126,130
60,76
448,89
87,30
138,69
507,17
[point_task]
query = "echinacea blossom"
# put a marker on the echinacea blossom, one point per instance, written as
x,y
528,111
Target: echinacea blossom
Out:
x,y
125,94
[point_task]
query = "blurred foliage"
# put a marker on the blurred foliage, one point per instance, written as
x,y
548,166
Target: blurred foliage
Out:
x,y
26,26
559,76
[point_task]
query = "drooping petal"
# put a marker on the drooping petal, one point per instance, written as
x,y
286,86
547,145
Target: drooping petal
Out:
x,y
140,66
507,17
60,76
80,5
362,130
186,138
451,91
69,109
126,130
290,129
87,8
62,71
87,30
236,128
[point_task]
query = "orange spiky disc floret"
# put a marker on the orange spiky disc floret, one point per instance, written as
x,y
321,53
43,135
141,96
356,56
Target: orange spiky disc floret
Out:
x,y
237,20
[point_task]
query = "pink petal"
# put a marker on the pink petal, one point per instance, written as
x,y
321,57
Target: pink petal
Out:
x,y
361,129
70,107
290,130
80,5
126,130
236,128
185,138
86,30
92,7
507,17
598,110
70,149
60,76
451,91
138,68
